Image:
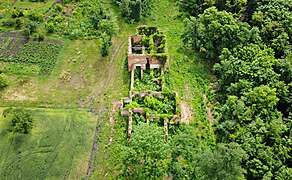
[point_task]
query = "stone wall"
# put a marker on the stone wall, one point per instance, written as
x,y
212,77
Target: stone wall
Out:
x,y
135,60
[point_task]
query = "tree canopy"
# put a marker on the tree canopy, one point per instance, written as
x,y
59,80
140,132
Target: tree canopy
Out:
x,y
145,156
251,45
135,10
214,30
246,66
20,119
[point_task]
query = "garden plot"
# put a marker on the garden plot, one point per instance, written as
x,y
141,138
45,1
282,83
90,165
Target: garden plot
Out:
x,y
10,43
22,56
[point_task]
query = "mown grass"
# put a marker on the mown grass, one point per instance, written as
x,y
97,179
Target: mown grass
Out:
x,y
58,146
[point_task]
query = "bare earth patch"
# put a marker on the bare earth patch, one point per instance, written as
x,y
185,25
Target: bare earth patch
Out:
x,y
18,96
186,113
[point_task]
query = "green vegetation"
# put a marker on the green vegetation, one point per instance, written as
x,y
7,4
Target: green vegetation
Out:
x,y
252,87
74,20
33,54
152,80
3,80
43,54
77,78
71,55
155,105
105,44
58,146
214,30
145,156
135,10
274,28
21,121
180,77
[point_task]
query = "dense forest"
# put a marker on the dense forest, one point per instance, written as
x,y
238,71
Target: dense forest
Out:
x,y
249,43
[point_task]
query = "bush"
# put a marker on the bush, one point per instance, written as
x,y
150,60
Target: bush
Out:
x,y
106,43
26,32
50,27
3,80
35,16
135,10
8,22
17,13
58,7
75,34
31,26
21,120
41,37
18,22
38,37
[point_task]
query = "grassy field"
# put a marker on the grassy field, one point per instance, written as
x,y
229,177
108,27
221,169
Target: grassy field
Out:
x,y
58,147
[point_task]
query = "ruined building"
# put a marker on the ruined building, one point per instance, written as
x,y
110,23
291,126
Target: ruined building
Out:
x,y
149,99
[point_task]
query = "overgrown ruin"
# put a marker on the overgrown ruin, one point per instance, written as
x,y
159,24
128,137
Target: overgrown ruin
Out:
x,y
149,99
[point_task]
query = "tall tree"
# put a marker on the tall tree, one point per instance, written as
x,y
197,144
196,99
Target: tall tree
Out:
x,y
244,67
135,10
214,30
194,7
274,20
184,148
221,164
253,122
284,69
21,120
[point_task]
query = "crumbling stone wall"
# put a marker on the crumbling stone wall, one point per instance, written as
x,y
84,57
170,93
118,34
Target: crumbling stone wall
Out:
x,y
153,56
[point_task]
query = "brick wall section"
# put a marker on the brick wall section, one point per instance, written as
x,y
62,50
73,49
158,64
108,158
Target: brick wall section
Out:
x,y
136,59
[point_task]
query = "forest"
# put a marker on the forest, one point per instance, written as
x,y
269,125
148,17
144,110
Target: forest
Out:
x,y
249,46
226,71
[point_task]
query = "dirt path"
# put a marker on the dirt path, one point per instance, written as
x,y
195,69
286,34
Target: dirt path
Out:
x,y
186,113
102,107
95,143
113,114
